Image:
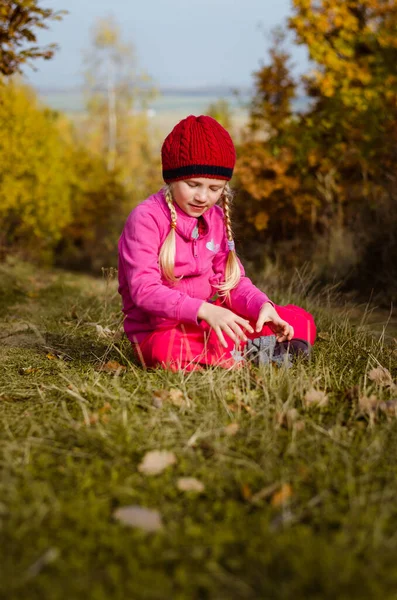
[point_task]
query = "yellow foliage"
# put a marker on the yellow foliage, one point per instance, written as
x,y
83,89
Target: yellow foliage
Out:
x,y
34,195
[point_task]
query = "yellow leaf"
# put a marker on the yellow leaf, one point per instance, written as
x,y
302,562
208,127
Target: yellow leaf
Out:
x,y
231,429
246,491
261,221
177,397
282,496
112,366
315,398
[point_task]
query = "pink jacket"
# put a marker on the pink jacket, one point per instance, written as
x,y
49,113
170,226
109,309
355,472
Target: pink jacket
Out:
x,y
150,302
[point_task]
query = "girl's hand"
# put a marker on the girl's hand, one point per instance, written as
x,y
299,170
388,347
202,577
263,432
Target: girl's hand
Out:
x,y
221,319
282,330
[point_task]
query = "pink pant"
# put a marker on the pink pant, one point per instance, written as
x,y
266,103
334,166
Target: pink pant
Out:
x,y
190,347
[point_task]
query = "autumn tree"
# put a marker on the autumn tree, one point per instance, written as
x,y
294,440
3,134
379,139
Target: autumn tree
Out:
x,y
274,193
332,166
112,158
19,22
117,92
35,198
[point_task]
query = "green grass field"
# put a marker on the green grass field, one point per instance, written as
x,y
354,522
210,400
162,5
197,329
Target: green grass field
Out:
x,y
298,468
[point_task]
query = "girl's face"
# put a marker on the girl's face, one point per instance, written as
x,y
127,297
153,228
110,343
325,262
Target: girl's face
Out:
x,y
195,196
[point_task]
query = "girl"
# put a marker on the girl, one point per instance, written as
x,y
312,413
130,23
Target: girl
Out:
x,y
186,300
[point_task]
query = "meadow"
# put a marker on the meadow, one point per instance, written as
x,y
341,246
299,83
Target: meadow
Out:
x,y
264,482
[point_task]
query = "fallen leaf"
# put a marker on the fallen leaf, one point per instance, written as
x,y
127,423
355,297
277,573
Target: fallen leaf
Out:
x,y
381,376
265,492
112,366
368,403
137,516
246,492
190,484
103,332
94,418
315,398
28,370
282,496
389,407
155,461
248,408
352,393
299,426
231,429
159,396
177,397
287,418
324,335
51,357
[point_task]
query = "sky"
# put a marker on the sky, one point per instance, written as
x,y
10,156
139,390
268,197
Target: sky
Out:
x,y
180,43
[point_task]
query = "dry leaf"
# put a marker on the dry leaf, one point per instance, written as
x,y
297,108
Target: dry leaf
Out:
x,y
315,398
177,397
324,335
231,429
287,418
112,366
103,332
389,407
28,370
51,357
137,516
299,426
381,376
246,491
282,496
248,408
265,492
159,396
189,484
368,404
155,461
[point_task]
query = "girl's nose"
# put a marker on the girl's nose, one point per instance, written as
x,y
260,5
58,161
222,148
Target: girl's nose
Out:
x,y
201,195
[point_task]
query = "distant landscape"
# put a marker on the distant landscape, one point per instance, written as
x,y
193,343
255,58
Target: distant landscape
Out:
x,y
170,104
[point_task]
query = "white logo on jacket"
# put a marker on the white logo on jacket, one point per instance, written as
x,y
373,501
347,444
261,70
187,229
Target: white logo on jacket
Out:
x,y
212,246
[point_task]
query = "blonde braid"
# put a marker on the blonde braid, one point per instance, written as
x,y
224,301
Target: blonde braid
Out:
x,y
232,269
168,249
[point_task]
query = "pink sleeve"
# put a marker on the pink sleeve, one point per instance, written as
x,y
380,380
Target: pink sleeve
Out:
x,y
245,299
139,247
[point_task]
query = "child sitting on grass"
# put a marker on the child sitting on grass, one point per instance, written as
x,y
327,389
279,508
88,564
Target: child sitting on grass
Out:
x,y
186,299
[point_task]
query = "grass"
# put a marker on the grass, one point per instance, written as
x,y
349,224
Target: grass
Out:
x,y
72,437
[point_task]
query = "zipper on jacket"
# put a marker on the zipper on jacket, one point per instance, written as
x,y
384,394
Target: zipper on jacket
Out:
x,y
195,235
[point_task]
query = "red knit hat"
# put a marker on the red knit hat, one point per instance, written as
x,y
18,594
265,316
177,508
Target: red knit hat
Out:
x,y
198,147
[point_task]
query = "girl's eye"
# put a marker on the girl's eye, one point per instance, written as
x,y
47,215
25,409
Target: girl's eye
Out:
x,y
192,184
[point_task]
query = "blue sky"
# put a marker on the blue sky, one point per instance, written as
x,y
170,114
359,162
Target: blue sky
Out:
x,y
183,43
